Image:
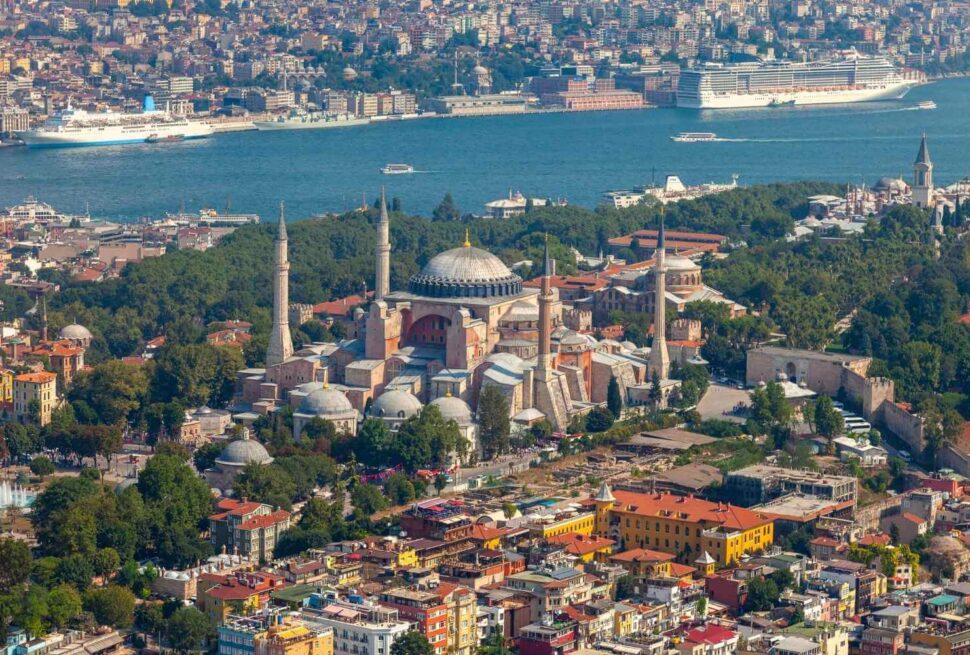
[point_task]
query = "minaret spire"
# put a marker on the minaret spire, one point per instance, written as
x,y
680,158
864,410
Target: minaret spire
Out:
x,y
43,317
382,276
544,369
659,362
280,345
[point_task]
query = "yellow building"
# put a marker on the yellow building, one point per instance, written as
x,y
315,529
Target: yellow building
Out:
x,y
6,386
34,397
462,619
293,639
563,523
683,526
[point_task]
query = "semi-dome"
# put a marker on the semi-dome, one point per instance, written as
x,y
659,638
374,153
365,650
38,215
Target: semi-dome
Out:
x,y
242,452
453,409
325,402
395,403
75,332
465,272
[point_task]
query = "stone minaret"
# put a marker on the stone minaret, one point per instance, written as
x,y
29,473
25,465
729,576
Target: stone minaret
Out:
x,y
43,318
280,345
551,390
382,277
659,361
544,368
923,177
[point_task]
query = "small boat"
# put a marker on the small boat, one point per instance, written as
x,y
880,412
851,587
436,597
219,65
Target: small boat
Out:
x,y
781,103
926,104
397,169
693,137
170,138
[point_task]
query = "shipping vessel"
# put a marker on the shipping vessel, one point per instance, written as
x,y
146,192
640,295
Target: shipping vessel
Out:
x,y
310,120
397,169
72,127
850,78
694,137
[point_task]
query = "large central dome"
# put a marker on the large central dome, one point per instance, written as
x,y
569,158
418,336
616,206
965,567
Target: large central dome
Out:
x,y
465,272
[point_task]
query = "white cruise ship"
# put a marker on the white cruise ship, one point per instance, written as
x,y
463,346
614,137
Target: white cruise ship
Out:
x,y
76,127
852,78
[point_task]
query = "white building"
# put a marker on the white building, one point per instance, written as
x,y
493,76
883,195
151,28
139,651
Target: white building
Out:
x,y
358,626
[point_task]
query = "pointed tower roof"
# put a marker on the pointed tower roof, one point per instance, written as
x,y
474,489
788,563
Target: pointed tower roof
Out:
x,y
923,156
705,559
604,495
281,233
384,217
547,271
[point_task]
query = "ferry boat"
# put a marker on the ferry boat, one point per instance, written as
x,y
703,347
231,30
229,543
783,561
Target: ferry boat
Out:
x,y
926,104
848,78
171,138
297,120
693,137
76,127
775,102
397,169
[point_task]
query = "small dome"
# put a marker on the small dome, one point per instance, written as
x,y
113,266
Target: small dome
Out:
x,y
890,184
465,272
679,263
325,402
573,339
242,452
480,70
395,404
453,409
75,332
349,73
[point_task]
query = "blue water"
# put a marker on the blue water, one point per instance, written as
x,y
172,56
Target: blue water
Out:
x,y
572,156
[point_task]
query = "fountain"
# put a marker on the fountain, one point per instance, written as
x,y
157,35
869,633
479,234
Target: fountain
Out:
x,y
14,495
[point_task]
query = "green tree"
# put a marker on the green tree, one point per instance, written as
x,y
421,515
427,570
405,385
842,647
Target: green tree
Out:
x,y
15,562
367,499
266,483
613,399
762,595
106,561
599,420
493,422
412,643
446,210
399,489
42,466
63,604
828,422
189,630
113,605
114,390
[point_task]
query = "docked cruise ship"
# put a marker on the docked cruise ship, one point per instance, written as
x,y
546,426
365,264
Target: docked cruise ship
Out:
x,y
76,127
852,78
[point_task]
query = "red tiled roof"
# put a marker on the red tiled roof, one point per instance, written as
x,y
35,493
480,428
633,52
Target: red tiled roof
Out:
x,y
341,306
36,378
641,555
709,634
688,509
680,570
266,520
913,518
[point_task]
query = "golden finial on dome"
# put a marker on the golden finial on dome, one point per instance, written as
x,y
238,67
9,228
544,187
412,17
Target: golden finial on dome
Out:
x,y
468,242
447,394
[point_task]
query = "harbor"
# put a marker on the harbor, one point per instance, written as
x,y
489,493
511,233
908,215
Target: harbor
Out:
x,y
570,155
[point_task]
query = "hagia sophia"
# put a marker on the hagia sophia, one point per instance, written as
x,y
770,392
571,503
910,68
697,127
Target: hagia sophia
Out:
x,y
465,322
